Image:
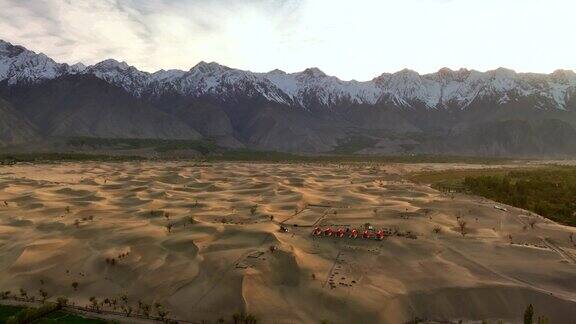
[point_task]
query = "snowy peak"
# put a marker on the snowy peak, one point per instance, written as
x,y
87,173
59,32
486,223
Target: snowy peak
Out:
x,y
18,64
276,72
407,74
564,76
167,75
78,67
212,67
120,74
448,75
213,79
8,50
312,87
445,71
407,88
308,89
313,73
111,64
448,88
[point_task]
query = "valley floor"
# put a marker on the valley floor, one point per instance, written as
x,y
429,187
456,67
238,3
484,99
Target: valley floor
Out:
x,y
204,240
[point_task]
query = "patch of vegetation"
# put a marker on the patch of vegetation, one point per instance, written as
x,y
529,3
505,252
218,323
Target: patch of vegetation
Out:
x,y
9,159
452,180
210,151
7,310
159,145
46,314
255,155
549,191
354,144
30,315
272,156
62,317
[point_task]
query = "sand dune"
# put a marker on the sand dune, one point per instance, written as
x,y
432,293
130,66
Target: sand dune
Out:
x,y
197,238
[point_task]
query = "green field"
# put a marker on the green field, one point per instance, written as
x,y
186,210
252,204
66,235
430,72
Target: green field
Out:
x,y
133,149
54,317
8,159
61,317
547,191
7,311
159,145
354,144
243,155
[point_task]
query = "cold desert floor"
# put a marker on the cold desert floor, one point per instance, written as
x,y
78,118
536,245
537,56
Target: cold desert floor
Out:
x,y
204,240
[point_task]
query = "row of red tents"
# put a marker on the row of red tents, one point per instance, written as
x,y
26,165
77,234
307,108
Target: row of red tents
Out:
x,y
347,232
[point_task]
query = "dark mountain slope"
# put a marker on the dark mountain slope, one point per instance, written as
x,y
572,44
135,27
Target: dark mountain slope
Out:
x,y
14,127
498,112
82,105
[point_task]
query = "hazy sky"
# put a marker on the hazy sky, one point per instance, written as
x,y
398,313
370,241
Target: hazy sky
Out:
x,y
355,39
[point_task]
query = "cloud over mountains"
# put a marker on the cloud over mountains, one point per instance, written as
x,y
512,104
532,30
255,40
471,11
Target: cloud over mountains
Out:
x,y
350,39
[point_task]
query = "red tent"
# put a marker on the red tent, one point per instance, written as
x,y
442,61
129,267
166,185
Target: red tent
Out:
x,y
354,233
367,234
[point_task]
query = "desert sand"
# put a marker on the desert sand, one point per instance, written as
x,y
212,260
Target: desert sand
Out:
x,y
61,222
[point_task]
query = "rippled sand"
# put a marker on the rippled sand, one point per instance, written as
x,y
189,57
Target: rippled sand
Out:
x,y
63,221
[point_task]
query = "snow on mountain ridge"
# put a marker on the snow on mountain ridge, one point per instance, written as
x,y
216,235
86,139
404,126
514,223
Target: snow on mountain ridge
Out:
x,y
78,67
329,90
18,64
406,88
121,74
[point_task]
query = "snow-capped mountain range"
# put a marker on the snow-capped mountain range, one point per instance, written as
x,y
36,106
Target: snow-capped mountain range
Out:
x,y
311,87
462,112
